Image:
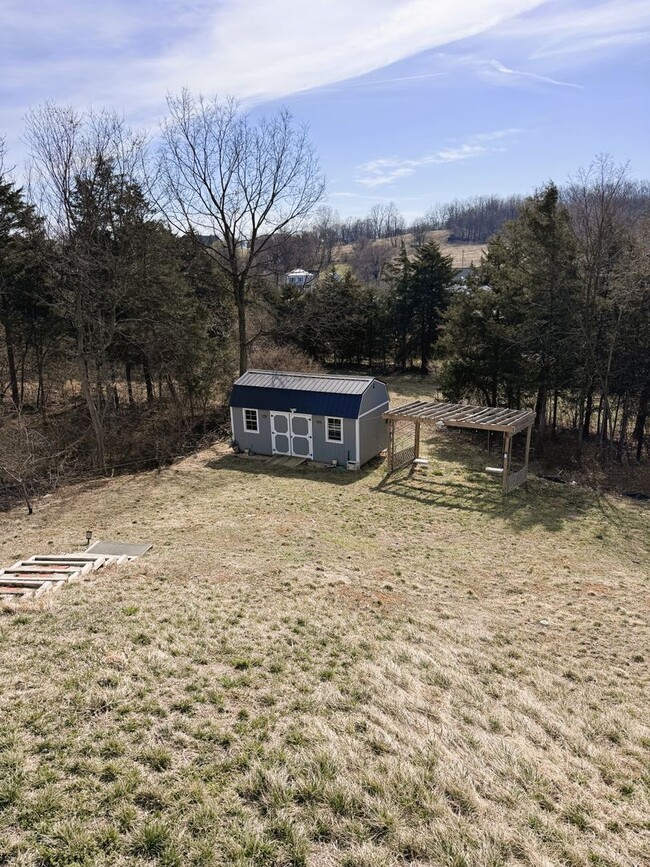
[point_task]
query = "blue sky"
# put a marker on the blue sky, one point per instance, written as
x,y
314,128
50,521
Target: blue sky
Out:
x,y
411,101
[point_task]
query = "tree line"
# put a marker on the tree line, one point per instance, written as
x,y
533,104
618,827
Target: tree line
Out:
x,y
555,317
137,278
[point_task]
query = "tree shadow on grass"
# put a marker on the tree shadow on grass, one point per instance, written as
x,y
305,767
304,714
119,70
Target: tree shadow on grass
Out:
x,y
539,501
534,504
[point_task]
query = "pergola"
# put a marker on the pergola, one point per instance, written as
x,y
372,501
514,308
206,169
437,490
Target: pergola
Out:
x,y
509,422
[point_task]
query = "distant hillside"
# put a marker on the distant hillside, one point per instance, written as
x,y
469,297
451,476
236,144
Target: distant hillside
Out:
x,y
463,254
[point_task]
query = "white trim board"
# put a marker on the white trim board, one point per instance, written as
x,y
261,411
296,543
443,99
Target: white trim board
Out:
x,y
374,409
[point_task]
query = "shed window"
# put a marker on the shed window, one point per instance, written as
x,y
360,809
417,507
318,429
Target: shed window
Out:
x,y
251,423
334,433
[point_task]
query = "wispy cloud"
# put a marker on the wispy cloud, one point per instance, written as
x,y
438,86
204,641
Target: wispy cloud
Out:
x,y
380,82
499,69
387,170
570,30
131,54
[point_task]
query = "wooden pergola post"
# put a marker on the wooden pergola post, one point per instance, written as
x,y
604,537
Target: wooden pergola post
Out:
x,y
507,459
528,435
492,419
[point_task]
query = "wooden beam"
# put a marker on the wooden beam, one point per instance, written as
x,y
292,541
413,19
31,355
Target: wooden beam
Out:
x,y
417,439
527,454
35,581
501,419
507,456
41,569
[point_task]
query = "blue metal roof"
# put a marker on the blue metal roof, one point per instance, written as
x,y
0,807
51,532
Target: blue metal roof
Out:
x,y
285,399
317,394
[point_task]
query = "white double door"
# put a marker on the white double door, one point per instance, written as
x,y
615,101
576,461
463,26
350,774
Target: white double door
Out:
x,y
291,434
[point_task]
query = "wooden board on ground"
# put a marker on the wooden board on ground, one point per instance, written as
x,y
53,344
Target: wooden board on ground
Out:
x,y
29,579
95,562
8,579
119,549
285,461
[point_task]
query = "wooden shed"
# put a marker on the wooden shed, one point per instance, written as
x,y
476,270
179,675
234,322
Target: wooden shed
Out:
x,y
318,417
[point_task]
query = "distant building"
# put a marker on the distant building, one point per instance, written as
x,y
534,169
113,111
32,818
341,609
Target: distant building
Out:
x,y
298,277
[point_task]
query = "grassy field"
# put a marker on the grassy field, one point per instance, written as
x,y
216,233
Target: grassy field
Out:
x,y
315,667
463,255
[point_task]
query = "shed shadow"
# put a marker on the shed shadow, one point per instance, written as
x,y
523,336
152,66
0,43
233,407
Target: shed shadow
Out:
x,y
307,471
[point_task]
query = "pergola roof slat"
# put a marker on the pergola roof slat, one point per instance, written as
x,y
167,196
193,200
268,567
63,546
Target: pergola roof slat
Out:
x,y
490,418
502,419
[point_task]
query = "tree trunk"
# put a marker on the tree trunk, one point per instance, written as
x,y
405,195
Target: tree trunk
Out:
x,y
40,398
23,359
540,410
494,391
586,423
599,430
146,370
93,411
622,437
128,373
243,346
172,389
86,385
115,397
11,363
641,418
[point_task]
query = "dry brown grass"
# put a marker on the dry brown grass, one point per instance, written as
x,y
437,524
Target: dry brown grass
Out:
x,y
463,255
313,667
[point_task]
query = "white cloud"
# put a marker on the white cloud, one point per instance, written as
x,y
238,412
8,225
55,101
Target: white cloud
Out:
x,y
380,82
387,170
260,49
495,66
570,30
132,54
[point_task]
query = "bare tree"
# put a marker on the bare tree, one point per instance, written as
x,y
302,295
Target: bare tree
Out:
x,y
369,258
326,226
395,224
243,184
84,165
596,199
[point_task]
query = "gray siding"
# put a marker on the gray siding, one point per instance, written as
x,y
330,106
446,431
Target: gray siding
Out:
x,y
373,431
327,452
375,396
373,435
324,452
258,443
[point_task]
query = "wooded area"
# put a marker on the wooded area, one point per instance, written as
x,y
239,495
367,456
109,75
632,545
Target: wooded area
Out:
x,y
136,279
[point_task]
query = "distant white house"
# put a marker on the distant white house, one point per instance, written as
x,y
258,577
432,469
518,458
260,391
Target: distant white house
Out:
x,y
298,277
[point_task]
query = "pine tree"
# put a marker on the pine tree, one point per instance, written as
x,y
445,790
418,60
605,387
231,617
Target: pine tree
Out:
x,y
420,297
520,311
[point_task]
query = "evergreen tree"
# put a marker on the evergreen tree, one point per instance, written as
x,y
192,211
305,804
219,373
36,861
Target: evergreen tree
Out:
x,y
522,326
21,264
334,316
420,297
